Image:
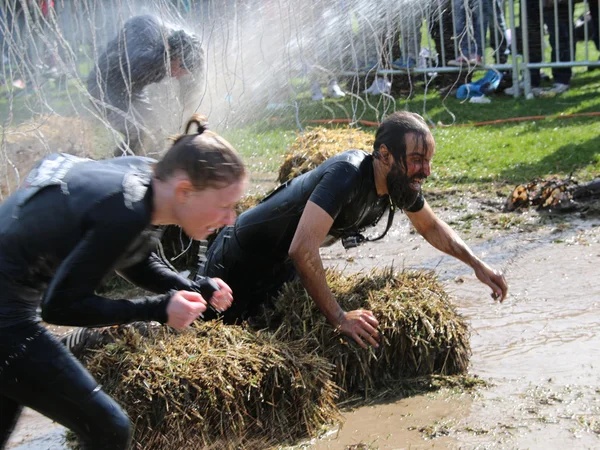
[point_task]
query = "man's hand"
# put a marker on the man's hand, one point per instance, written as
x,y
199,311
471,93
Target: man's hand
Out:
x,y
221,299
215,291
494,279
183,308
361,325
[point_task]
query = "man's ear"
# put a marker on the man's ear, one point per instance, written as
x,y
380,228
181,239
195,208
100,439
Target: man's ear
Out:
x,y
183,189
385,155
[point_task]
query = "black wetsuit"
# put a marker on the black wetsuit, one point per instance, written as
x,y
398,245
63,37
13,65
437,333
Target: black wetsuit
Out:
x,y
136,58
73,222
252,256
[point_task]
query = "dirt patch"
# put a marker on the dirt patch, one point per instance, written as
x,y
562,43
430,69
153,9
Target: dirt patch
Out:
x,y
26,144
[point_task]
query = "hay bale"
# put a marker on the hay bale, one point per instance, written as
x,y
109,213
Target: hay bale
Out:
x,y
422,333
212,382
316,145
247,202
24,145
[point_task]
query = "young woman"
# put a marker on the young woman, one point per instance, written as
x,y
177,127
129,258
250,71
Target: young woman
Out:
x,y
74,221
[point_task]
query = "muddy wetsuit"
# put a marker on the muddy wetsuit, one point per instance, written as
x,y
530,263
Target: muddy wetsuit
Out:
x,y
136,58
73,222
252,256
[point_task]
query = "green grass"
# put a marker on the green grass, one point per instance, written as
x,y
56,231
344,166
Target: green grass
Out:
x,y
517,152
485,155
502,153
261,148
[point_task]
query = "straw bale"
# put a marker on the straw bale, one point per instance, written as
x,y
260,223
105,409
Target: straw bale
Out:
x,y
247,202
23,146
422,333
316,145
215,383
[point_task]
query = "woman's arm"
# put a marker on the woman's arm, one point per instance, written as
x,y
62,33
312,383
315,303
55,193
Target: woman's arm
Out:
x,y
70,298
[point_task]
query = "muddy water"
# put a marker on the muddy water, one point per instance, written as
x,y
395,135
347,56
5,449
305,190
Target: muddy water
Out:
x,y
540,350
401,424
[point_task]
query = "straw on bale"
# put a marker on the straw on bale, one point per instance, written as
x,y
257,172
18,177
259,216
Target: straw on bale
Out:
x,y
247,202
316,145
422,333
191,389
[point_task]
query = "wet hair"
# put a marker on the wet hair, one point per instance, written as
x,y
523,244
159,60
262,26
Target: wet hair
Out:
x,y
206,158
188,49
393,130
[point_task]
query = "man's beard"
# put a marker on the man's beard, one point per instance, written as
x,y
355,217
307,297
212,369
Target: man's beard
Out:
x,y
398,184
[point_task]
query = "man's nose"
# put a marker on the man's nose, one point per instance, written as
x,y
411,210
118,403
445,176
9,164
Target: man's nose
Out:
x,y
427,169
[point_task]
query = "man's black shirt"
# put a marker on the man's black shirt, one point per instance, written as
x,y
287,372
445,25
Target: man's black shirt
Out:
x,y
252,256
136,58
343,186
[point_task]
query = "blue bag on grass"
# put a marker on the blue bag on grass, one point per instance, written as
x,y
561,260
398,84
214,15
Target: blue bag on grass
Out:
x,y
486,85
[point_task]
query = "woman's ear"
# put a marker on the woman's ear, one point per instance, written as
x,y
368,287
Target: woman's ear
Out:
x,y
183,189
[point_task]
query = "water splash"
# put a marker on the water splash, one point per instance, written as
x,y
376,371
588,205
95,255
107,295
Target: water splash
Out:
x,y
261,57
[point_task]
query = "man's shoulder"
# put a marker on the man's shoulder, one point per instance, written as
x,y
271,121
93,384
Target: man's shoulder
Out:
x,y
353,157
349,162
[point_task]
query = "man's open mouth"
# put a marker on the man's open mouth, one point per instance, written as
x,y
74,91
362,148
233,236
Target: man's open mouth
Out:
x,y
416,183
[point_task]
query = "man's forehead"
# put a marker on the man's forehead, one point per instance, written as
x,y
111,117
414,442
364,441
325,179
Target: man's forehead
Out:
x,y
420,145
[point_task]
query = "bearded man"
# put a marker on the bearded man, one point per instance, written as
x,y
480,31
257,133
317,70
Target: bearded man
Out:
x,y
280,238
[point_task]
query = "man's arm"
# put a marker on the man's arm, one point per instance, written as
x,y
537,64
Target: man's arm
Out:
x,y
439,234
312,229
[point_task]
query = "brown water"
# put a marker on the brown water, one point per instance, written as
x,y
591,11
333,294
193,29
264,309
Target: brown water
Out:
x,y
540,349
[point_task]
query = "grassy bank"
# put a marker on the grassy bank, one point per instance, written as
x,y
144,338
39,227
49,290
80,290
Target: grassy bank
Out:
x,y
503,153
509,152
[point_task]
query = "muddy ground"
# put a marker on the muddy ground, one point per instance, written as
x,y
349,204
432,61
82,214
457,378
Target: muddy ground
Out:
x,y
538,351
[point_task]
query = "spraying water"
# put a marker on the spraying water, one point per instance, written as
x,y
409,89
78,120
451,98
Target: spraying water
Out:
x,y
261,57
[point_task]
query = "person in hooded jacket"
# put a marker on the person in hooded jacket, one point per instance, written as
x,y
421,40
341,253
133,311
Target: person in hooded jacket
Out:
x,y
144,52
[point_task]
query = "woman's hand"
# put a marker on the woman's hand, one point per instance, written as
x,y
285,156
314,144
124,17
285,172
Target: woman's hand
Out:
x,y
183,308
